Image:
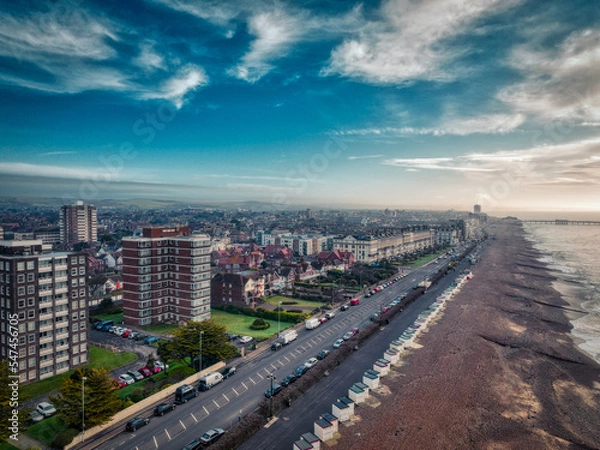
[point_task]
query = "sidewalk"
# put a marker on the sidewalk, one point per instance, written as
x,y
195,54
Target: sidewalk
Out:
x,y
25,442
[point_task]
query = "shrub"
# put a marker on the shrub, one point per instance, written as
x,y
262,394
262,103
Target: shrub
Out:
x,y
64,438
137,395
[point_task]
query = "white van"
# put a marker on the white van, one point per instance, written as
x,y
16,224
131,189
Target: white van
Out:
x,y
311,324
209,380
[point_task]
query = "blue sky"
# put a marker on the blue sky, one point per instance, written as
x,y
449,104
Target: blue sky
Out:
x,y
400,104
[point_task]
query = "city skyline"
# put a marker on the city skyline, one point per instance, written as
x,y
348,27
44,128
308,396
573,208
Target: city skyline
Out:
x,y
395,104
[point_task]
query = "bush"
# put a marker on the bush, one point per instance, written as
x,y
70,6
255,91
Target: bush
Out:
x,y
64,438
137,395
259,324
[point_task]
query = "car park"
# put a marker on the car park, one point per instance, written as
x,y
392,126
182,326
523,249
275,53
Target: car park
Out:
x,y
45,409
245,339
135,423
127,378
323,354
211,436
126,333
163,408
273,390
289,379
338,343
310,363
228,371
135,375
232,337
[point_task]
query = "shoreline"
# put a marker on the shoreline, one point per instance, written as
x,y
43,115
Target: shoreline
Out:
x,y
500,369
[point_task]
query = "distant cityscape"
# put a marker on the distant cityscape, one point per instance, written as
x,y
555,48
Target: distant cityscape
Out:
x,y
172,264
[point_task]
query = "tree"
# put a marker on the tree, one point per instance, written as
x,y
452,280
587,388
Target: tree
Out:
x,y
185,345
101,398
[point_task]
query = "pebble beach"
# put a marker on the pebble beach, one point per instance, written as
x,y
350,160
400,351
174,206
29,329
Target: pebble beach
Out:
x,y
498,370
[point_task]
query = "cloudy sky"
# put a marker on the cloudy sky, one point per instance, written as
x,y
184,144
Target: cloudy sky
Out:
x,y
399,103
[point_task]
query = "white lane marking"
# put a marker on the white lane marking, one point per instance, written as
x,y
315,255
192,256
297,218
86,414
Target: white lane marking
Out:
x,y
184,427
206,410
273,366
194,417
226,398
155,443
236,392
215,402
168,435
245,387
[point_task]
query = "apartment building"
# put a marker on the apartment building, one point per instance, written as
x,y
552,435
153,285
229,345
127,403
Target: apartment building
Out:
x,y
166,276
78,223
43,295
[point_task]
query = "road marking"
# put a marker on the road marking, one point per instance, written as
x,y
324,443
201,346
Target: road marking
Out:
x,y
215,402
273,366
184,427
245,387
226,398
206,410
168,435
194,417
236,392
261,377
287,359
155,443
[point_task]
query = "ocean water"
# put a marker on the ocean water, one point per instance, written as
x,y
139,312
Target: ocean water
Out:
x,y
572,254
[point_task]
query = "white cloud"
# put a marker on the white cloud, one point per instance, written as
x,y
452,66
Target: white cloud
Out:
x,y
561,82
148,58
407,42
364,157
188,79
50,171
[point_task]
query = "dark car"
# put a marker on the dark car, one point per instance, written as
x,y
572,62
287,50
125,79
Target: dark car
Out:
x,y
194,445
344,307
163,408
211,435
228,371
323,354
151,340
273,390
289,380
301,370
276,346
136,423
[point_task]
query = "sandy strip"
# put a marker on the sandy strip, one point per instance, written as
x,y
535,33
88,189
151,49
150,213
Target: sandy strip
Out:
x,y
498,370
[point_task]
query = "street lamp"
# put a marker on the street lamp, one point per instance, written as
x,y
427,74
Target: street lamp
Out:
x,y
83,408
278,317
271,377
200,354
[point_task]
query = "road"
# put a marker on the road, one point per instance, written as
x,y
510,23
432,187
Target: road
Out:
x,y
223,404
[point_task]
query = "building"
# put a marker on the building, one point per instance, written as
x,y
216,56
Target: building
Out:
x,y
43,296
166,276
78,223
477,209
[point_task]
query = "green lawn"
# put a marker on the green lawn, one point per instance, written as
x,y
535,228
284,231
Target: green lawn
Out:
x,y
98,358
160,328
423,260
115,317
7,446
240,324
299,303
46,430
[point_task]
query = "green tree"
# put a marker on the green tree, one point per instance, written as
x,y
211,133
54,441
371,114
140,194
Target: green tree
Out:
x,y
101,398
185,345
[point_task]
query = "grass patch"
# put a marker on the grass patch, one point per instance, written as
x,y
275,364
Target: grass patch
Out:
x,y
423,260
160,328
274,301
46,430
240,324
7,446
117,318
99,358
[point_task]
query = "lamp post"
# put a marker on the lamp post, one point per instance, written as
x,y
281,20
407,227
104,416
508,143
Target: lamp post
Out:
x,y
83,408
278,318
271,377
200,354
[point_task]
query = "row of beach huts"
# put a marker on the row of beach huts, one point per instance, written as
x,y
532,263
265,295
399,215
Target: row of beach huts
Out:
x,y
326,427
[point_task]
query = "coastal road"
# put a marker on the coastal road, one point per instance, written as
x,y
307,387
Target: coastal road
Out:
x,y
223,404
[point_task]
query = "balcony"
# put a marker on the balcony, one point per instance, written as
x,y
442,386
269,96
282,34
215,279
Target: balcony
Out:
x,y
62,347
60,267
62,335
64,278
62,290
44,292
46,351
46,339
61,301
46,316
47,363
64,369
45,269
62,358
44,281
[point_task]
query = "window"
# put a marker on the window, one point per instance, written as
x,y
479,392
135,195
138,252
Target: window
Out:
x,y
32,350
31,314
82,292
31,362
20,266
31,289
82,282
82,270
74,260
75,327
30,301
30,276
82,260
21,303
75,338
74,271
20,278
30,326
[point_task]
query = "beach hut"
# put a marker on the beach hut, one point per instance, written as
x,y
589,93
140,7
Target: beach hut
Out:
x,y
392,355
371,379
324,429
382,366
396,344
308,441
348,401
301,444
341,411
358,392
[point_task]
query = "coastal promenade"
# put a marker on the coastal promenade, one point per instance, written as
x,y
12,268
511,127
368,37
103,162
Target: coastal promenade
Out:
x,y
499,370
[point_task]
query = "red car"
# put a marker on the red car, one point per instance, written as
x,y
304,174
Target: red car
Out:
x,y
145,371
120,382
323,319
355,331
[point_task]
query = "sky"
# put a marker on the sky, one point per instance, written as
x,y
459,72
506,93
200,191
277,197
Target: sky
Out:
x,y
436,104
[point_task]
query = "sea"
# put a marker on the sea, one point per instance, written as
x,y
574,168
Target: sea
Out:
x,y
571,252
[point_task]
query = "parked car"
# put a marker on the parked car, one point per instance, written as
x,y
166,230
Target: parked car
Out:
x,y
300,370
323,354
289,379
375,317
323,319
127,378
163,408
194,445
232,337
311,362
348,335
330,315
344,307
228,371
135,423
150,340
273,390
120,382
135,375
338,343
145,372
246,339
46,409
162,366
35,416
126,333
211,435
354,331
